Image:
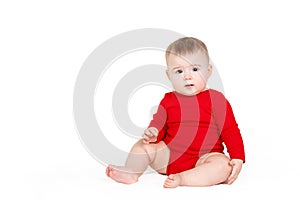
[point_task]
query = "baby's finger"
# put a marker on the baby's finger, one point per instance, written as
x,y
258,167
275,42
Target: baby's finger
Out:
x,y
148,133
233,176
146,139
153,131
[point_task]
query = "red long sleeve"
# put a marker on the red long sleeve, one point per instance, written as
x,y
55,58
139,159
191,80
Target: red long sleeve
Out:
x,y
159,120
227,125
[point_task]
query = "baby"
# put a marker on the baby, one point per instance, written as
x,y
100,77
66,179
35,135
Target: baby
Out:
x,y
185,140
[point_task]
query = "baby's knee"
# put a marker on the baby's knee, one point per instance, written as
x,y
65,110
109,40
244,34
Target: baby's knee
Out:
x,y
148,148
221,162
224,165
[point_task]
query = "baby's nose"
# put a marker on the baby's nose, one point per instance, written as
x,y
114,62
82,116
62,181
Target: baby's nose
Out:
x,y
187,76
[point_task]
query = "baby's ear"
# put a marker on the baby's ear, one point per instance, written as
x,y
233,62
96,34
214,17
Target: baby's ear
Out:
x,y
168,75
209,69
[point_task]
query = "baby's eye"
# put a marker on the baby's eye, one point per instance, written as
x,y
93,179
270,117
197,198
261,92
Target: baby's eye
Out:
x,y
195,69
179,71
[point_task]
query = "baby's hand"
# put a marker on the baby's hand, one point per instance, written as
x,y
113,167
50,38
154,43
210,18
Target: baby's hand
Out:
x,y
236,169
150,135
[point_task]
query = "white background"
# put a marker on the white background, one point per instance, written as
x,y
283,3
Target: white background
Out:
x,y
255,46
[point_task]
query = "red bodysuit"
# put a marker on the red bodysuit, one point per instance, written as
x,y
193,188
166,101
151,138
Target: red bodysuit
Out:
x,y
194,125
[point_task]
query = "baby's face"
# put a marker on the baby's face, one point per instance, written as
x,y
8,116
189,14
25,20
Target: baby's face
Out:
x,y
189,73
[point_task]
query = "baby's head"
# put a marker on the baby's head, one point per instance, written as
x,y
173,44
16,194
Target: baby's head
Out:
x,y
188,65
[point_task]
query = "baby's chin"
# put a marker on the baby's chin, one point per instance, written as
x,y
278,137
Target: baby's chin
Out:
x,y
190,93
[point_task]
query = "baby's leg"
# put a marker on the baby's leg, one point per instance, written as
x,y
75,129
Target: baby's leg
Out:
x,y
140,157
211,169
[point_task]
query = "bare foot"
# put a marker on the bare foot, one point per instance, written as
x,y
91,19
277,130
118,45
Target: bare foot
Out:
x,y
121,174
172,181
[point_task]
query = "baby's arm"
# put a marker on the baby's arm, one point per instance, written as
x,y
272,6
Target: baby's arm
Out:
x,y
157,128
150,135
230,134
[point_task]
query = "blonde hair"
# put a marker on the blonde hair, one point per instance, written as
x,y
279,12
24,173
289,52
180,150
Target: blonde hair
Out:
x,y
185,46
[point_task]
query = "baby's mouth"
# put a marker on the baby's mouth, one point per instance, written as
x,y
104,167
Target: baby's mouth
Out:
x,y
189,85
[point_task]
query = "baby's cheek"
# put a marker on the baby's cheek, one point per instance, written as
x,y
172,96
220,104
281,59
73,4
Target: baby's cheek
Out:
x,y
175,84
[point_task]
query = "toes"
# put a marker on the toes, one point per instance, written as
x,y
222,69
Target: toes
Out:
x,y
107,172
170,182
168,185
